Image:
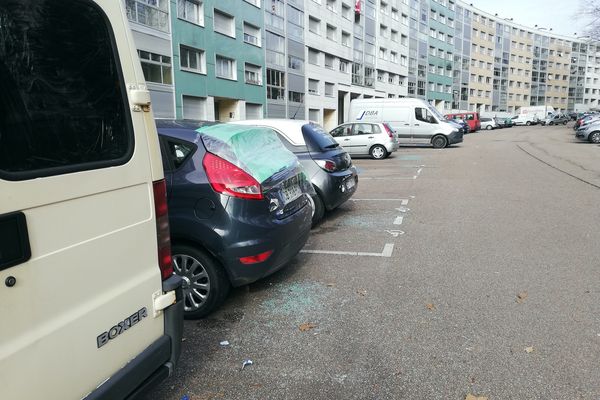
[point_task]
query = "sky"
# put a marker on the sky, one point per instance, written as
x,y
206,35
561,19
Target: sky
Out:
x,y
560,15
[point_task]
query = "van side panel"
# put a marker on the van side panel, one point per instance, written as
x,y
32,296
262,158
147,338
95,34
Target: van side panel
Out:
x,y
93,268
400,119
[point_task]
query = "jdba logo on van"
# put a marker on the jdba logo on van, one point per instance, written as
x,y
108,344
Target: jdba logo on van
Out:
x,y
121,327
367,113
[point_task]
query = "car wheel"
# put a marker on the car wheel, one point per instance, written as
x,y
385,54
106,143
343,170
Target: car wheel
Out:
x,y
318,209
564,122
595,137
378,152
205,284
489,127
551,123
439,142
528,123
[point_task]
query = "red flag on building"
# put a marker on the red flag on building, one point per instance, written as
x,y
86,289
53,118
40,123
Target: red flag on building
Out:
x,y
357,7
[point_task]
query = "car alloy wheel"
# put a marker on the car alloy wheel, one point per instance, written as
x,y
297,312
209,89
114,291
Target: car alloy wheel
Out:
x,y
205,282
595,137
196,282
378,152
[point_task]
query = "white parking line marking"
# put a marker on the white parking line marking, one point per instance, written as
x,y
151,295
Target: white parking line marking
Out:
x,y
388,249
403,201
388,179
398,220
403,209
395,233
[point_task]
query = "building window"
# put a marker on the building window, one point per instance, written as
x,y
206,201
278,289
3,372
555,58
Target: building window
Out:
x,y
346,11
152,13
345,39
344,66
225,68
156,67
331,32
331,5
275,53
192,60
191,11
313,57
314,25
313,86
296,64
275,84
224,23
329,89
329,61
253,74
296,97
394,35
254,2
251,34
394,57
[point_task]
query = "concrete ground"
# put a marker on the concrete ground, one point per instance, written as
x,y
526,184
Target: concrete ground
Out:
x,y
480,276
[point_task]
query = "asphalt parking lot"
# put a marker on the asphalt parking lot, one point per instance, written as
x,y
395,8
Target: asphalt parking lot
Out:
x,y
471,270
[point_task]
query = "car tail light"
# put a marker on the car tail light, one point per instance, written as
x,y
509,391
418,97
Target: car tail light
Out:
x,y
389,131
257,258
226,178
327,165
163,236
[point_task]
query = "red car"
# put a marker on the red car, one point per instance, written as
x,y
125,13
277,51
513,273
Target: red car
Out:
x,y
472,118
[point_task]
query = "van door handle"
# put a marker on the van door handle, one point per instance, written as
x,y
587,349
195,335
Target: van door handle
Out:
x,y
406,124
346,139
14,240
371,137
417,125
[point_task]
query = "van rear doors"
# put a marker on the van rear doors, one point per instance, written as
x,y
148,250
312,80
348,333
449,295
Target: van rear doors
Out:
x,y
78,235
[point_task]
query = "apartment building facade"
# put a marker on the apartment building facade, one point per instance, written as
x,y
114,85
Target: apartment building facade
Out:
x,y
307,59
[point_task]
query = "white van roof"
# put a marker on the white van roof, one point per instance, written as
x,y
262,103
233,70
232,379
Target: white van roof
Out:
x,y
401,101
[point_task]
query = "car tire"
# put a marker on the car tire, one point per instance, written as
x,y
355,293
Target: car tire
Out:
x,y
489,127
318,209
378,152
594,137
564,122
203,276
528,123
439,142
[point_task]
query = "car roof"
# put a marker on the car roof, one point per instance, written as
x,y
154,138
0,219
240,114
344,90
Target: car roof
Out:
x,y
290,128
184,129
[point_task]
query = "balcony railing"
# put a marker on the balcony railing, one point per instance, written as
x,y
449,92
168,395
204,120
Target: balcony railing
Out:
x,y
144,14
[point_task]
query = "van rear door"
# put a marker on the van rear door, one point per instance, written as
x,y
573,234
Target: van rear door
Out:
x,y
78,235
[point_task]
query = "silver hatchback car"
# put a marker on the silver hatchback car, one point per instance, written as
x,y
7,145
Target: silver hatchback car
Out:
x,y
590,132
361,138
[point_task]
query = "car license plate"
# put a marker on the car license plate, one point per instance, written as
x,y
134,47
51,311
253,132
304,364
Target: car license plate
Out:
x,y
350,183
291,190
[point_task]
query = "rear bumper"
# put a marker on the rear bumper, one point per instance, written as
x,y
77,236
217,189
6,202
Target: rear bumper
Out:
x,y
284,237
333,186
156,362
391,147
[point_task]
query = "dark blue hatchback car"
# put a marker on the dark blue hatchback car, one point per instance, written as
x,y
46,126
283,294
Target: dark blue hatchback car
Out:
x,y
239,207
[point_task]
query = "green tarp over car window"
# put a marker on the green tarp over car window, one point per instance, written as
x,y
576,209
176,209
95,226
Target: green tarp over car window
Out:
x,y
256,150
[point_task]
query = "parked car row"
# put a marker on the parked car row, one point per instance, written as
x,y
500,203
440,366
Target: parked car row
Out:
x,y
242,199
588,129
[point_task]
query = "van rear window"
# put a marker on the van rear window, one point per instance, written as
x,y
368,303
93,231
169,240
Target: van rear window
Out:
x,y
62,98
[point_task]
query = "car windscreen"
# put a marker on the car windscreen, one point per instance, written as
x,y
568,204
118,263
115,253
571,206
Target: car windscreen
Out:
x,y
317,140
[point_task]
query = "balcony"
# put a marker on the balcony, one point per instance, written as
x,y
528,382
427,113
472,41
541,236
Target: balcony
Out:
x,y
144,14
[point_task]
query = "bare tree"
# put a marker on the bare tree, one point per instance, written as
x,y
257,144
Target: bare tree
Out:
x,y
590,13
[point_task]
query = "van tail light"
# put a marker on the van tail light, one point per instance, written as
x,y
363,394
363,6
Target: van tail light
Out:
x,y
389,131
257,258
226,178
327,165
165,262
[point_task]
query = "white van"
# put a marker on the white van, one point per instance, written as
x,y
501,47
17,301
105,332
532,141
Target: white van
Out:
x,y
415,121
90,308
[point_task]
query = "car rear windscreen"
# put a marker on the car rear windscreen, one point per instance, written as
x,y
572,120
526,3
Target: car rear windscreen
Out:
x,y
317,140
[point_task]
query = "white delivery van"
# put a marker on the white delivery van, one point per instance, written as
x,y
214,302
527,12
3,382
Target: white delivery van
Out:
x,y
90,307
415,121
